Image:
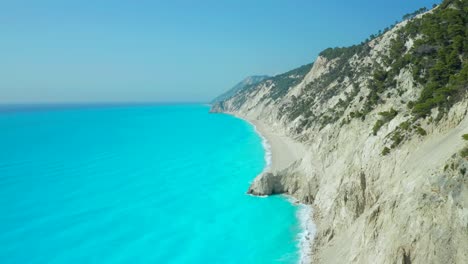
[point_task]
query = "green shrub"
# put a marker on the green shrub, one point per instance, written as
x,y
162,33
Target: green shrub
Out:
x,y
397,138
421,131
465,136
385,151
387,116
377,126
464,152
405,125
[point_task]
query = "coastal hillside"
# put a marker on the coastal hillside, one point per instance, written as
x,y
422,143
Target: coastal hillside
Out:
x,y
384,128
249,81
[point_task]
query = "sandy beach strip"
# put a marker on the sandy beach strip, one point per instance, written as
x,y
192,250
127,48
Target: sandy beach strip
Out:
x,y
284,150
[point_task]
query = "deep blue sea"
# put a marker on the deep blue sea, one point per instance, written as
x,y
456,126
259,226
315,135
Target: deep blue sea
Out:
x,y
136,184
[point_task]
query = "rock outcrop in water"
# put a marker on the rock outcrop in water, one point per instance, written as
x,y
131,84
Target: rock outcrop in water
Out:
x,y
386,167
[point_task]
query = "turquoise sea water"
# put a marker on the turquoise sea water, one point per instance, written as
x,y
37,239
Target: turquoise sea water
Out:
x,y
136,184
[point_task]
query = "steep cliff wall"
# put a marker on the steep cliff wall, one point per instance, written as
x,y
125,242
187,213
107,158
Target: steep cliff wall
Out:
x,y
383,167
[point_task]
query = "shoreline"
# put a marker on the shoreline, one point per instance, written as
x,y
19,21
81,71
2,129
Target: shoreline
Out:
x,y
283,150
266,147
280,152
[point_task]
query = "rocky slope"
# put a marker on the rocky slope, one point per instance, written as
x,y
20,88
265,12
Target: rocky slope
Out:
x,y
248,81
382,123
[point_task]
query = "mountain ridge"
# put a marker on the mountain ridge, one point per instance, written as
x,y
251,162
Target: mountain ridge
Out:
x,y
247,81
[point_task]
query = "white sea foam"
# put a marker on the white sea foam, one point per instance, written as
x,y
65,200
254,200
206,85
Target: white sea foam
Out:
x,y
265,144
306,237
258,196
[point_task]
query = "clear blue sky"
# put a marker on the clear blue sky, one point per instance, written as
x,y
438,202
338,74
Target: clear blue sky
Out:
x,y
174,50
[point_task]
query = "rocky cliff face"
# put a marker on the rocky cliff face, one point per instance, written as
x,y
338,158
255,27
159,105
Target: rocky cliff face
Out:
x,y
383,168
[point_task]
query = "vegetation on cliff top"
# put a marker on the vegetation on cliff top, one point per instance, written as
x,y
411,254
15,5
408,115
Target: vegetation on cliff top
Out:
x,y
283,82
438,58
432,48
